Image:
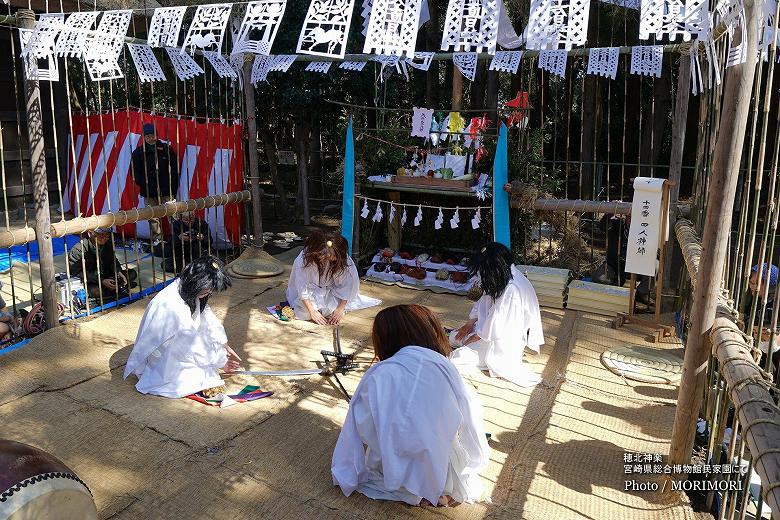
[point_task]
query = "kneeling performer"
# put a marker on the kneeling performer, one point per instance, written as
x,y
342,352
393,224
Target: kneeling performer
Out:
x,y
324,281
502,323
181,345
414,432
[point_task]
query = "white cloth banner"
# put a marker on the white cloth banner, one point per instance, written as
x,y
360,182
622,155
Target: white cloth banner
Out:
x,y
645,231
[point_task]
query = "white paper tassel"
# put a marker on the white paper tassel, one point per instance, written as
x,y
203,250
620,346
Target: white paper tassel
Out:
x,y
403,217
455,220
391,218
418,218
378,214
439,220
364,212
476,219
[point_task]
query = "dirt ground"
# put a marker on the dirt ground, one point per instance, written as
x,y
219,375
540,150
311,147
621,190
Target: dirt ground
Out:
x,y
557,448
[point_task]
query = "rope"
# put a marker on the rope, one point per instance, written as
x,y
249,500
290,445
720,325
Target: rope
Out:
x,y
399,205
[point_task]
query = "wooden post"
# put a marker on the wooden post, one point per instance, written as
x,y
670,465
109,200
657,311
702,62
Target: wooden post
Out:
x,y
631,295
679,124
659,280
394,226
25,19
254,170
737,90
457,89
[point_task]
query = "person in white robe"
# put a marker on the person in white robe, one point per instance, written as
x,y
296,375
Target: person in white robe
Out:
x,y
324,283
502,323
181,345
414,431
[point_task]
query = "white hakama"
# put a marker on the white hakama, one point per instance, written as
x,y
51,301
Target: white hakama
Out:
x,y
305,284
177,352
506,326
414,430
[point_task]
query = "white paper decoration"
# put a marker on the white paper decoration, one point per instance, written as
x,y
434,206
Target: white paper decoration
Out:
x,y
378,214
220,65
673,18
471,26
647,60
364,212
365,13
439,220
101,53
260,69
421,60
506,61
165,26
466,63
603,61
418,218
553,62
318,66
556,23
476,219
403,217
146,63
73,35
353,65
41,44
325,28
455,220
281,63
627,4
183,64
392,28
391,218
34,68
260,25
207,28
237,64
421,122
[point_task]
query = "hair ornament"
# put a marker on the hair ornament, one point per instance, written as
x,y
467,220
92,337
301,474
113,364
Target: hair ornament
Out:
x,y
329,243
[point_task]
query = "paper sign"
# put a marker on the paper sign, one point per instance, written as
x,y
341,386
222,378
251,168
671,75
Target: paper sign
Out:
x,y
645,230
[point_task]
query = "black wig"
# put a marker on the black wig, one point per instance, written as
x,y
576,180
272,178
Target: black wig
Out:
x,y
493,264
199,275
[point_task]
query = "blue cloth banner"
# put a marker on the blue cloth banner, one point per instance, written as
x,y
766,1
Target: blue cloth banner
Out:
x,y
9,255
500,197
347,205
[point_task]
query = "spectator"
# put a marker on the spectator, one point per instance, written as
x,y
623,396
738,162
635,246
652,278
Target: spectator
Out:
x,y
191,239
756,285
7,320
94,257
156,172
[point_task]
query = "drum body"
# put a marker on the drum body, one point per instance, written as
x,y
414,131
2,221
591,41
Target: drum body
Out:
x,y
35,485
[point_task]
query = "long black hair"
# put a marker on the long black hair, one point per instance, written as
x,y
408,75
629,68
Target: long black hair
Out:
x,y
203,273
493,264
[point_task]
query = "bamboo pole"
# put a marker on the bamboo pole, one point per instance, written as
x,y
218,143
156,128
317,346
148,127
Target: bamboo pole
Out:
x,y
254,170
723,184
32,94
83,224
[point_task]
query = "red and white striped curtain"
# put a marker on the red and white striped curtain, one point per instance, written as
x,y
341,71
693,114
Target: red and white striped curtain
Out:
x,y
211,161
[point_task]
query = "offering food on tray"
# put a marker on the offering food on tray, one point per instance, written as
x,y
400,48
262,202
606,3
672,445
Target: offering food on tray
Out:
x,y
418,273
387,253
380,267
442,274
459,277
424,257
405,255
395,267
436,259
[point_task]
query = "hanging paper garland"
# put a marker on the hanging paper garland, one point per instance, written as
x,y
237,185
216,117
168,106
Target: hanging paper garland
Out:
x,y
471,26
603,61
393,27
439,220
260,69
466,63
686,18
506,61
220,64
41,44
73,35
455,220
391,218
281,63
378,214
318,66
403,217
647,60
353,65
365,211
32,67
183,64
425,57
555,24
418,218
553,62
325,28
260,25
207,28
102,50
165,26
146,63
476,219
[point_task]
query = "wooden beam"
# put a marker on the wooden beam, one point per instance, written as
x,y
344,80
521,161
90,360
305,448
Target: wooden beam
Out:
x,y
737,91
254,170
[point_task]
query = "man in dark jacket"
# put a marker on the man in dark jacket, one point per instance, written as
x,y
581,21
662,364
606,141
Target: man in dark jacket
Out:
x,y
94,256
191,239
156,172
